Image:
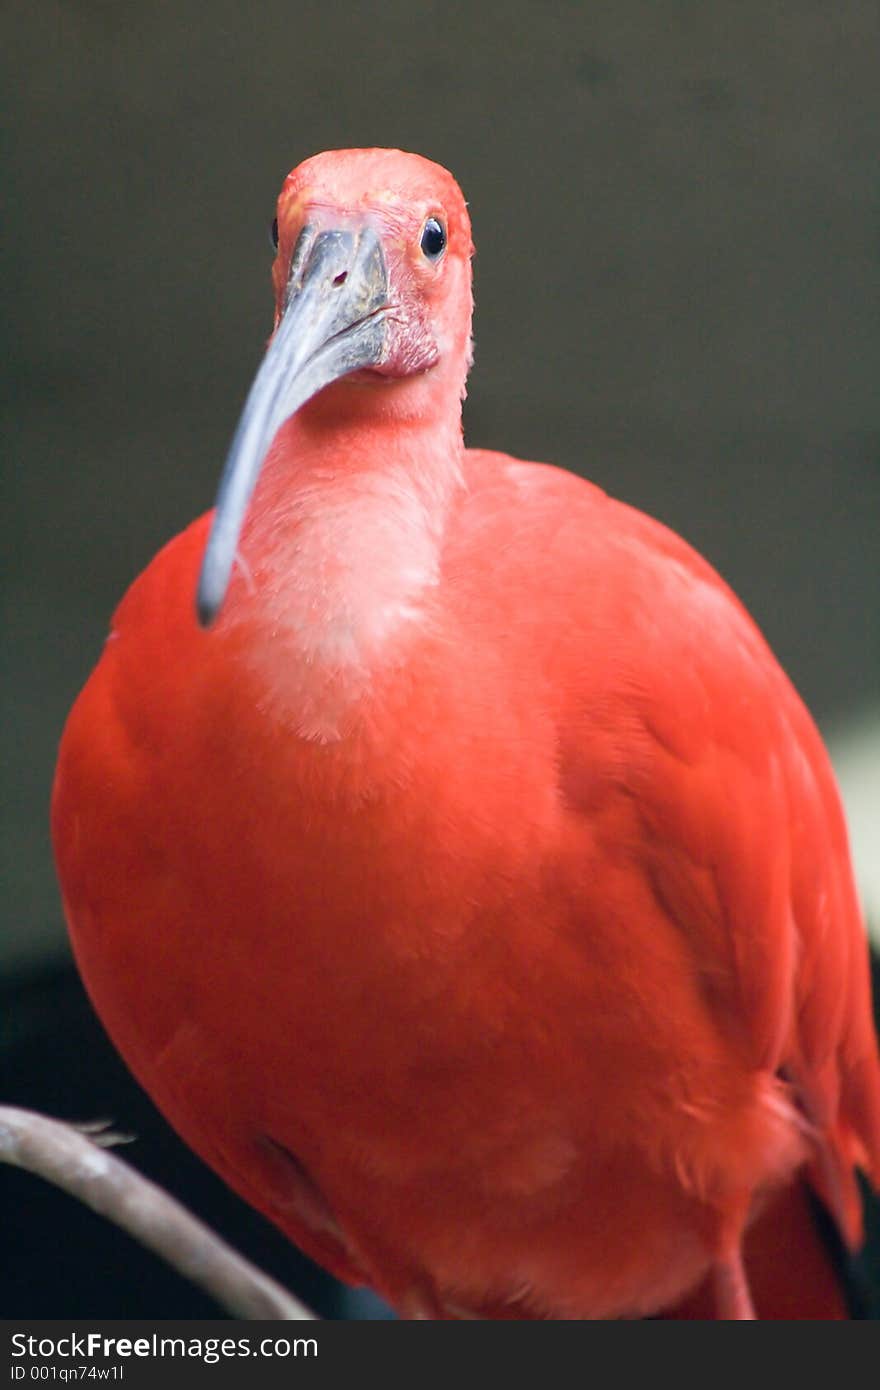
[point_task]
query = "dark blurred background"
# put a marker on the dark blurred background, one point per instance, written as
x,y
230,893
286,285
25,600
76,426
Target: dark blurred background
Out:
x,y
677,215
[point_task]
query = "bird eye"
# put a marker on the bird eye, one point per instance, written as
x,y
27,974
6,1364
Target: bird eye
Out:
x,y
433,242
273,232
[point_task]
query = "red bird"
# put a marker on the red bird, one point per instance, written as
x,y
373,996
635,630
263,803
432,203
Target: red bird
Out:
x,y
469,886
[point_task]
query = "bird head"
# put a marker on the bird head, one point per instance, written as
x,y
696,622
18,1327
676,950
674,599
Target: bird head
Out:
x,y
372,313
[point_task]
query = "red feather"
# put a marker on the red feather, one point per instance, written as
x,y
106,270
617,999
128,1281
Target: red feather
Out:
x,y
475,895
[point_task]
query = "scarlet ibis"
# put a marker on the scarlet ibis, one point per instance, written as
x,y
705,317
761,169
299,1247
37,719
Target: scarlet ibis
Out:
x,y
461,874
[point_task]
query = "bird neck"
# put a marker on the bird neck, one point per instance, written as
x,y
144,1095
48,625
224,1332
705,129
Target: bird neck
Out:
x,y
341,553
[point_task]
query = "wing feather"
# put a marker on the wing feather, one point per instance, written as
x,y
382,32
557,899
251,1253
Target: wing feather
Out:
x,y
746,847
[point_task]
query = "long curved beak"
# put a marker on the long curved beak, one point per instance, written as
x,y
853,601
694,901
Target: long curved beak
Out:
x,y
332,324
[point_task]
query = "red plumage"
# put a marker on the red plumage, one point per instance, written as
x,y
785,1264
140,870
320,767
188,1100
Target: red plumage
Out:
x,y
475,895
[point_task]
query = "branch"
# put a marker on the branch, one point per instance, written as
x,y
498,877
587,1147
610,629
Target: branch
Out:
x,y
78,1163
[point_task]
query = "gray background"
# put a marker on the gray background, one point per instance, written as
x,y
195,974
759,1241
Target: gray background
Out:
x,y
677,216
